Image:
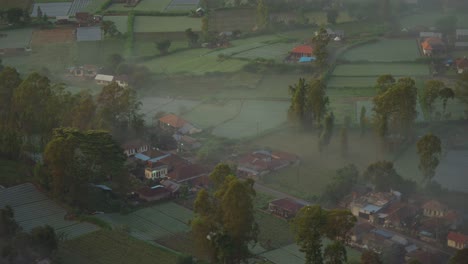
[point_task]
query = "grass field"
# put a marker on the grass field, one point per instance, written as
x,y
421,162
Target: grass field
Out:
x,y
148,48
429,19
254,118
110,247
154,222
387,50
32,209
377,69
320,18
52,1
144,5
94,6
119,21
166,24
274,232
212,114
23,4
13,172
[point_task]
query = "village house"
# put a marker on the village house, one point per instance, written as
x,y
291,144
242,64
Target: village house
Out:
x,y
134,147
433,46
122,80
400,215
186,142
156,170
187,174
299,52
461,36
152,194
261,162
462,65
285,207
103,79
84,19
457,240
430,34
172,186
87,70
434,208
370,206
176,124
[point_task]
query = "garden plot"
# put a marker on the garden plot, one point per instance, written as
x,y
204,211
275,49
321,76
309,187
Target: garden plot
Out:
x,y
276,52
7,4
33,209
120,23
387,50
52,9
153,222
56,35
18,38
377,69
254,118
144,24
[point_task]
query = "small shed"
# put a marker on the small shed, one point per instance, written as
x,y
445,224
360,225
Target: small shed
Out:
x,y
103,79
285,207
301,51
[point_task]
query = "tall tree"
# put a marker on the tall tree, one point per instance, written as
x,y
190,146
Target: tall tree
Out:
x,y
429,149
317,100
327,131
383,175
430,93
163,46
340,184
298,108
192,38
344,141
384,82
321,40
224,225
460,257
263,16
332,15
445,94
83,112
363,121
9,80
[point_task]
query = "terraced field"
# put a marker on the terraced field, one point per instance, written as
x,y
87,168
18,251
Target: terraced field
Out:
x,y
32,209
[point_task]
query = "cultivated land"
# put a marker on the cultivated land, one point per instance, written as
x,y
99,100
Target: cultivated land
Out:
x,y
429,19
23,4
32,209
18,38
154,222
52,9
144,24
377,69
49,36
182,5
119,21
386,50
110,247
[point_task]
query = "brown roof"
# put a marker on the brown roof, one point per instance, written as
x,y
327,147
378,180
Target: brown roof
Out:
x,y
173,120
156,164
174,161
153,153
362,227
187,172
458,238
136,143
303,49
287,204
434,205
462,63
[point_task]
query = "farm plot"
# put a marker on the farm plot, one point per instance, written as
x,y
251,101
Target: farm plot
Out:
x,y
110,247
94,6
212,114
232,19
52,9
349,81
193,62
18,38
33,209
120,22
276,52
377,69
7,4
428,19
254,118
152,5
145,24
78,6
182,5
153,222
388,50
152,105
56,35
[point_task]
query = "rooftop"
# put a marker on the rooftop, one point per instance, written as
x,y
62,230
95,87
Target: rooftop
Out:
x,y
103,77
434,205
303,49
173,120
288,204
458,238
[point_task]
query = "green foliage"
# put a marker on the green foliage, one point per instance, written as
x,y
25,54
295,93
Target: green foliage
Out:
x,y
430,93
263,16
395,108
363,121
447,24
96,221
429,149
321,40
460,257
163,46
224,225
130,36
327,131
312,224
445,94
220,173
341,184
370,257
192,38
308,102
383,176
105,5
109,29
332,15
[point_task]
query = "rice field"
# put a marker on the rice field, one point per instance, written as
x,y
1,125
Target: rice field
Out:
x,y
144,24
120,22
7,4
78,6
254,118
154,222
429,19
182,5
110,247
52,9
18,38
388,50
349,81
377,69
211,114
32,209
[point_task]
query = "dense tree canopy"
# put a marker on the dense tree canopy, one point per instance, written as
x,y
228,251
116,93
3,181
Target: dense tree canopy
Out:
x,y
224,225
308,102
429,149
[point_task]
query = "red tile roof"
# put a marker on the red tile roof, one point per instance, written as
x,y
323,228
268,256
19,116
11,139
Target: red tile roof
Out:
x,y
458,238
434,205
136,143
430,43
173,120
462,63
303,49
287,204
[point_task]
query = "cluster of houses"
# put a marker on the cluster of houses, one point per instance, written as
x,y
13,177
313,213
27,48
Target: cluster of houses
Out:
x,y
261,162
433,44
92,72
